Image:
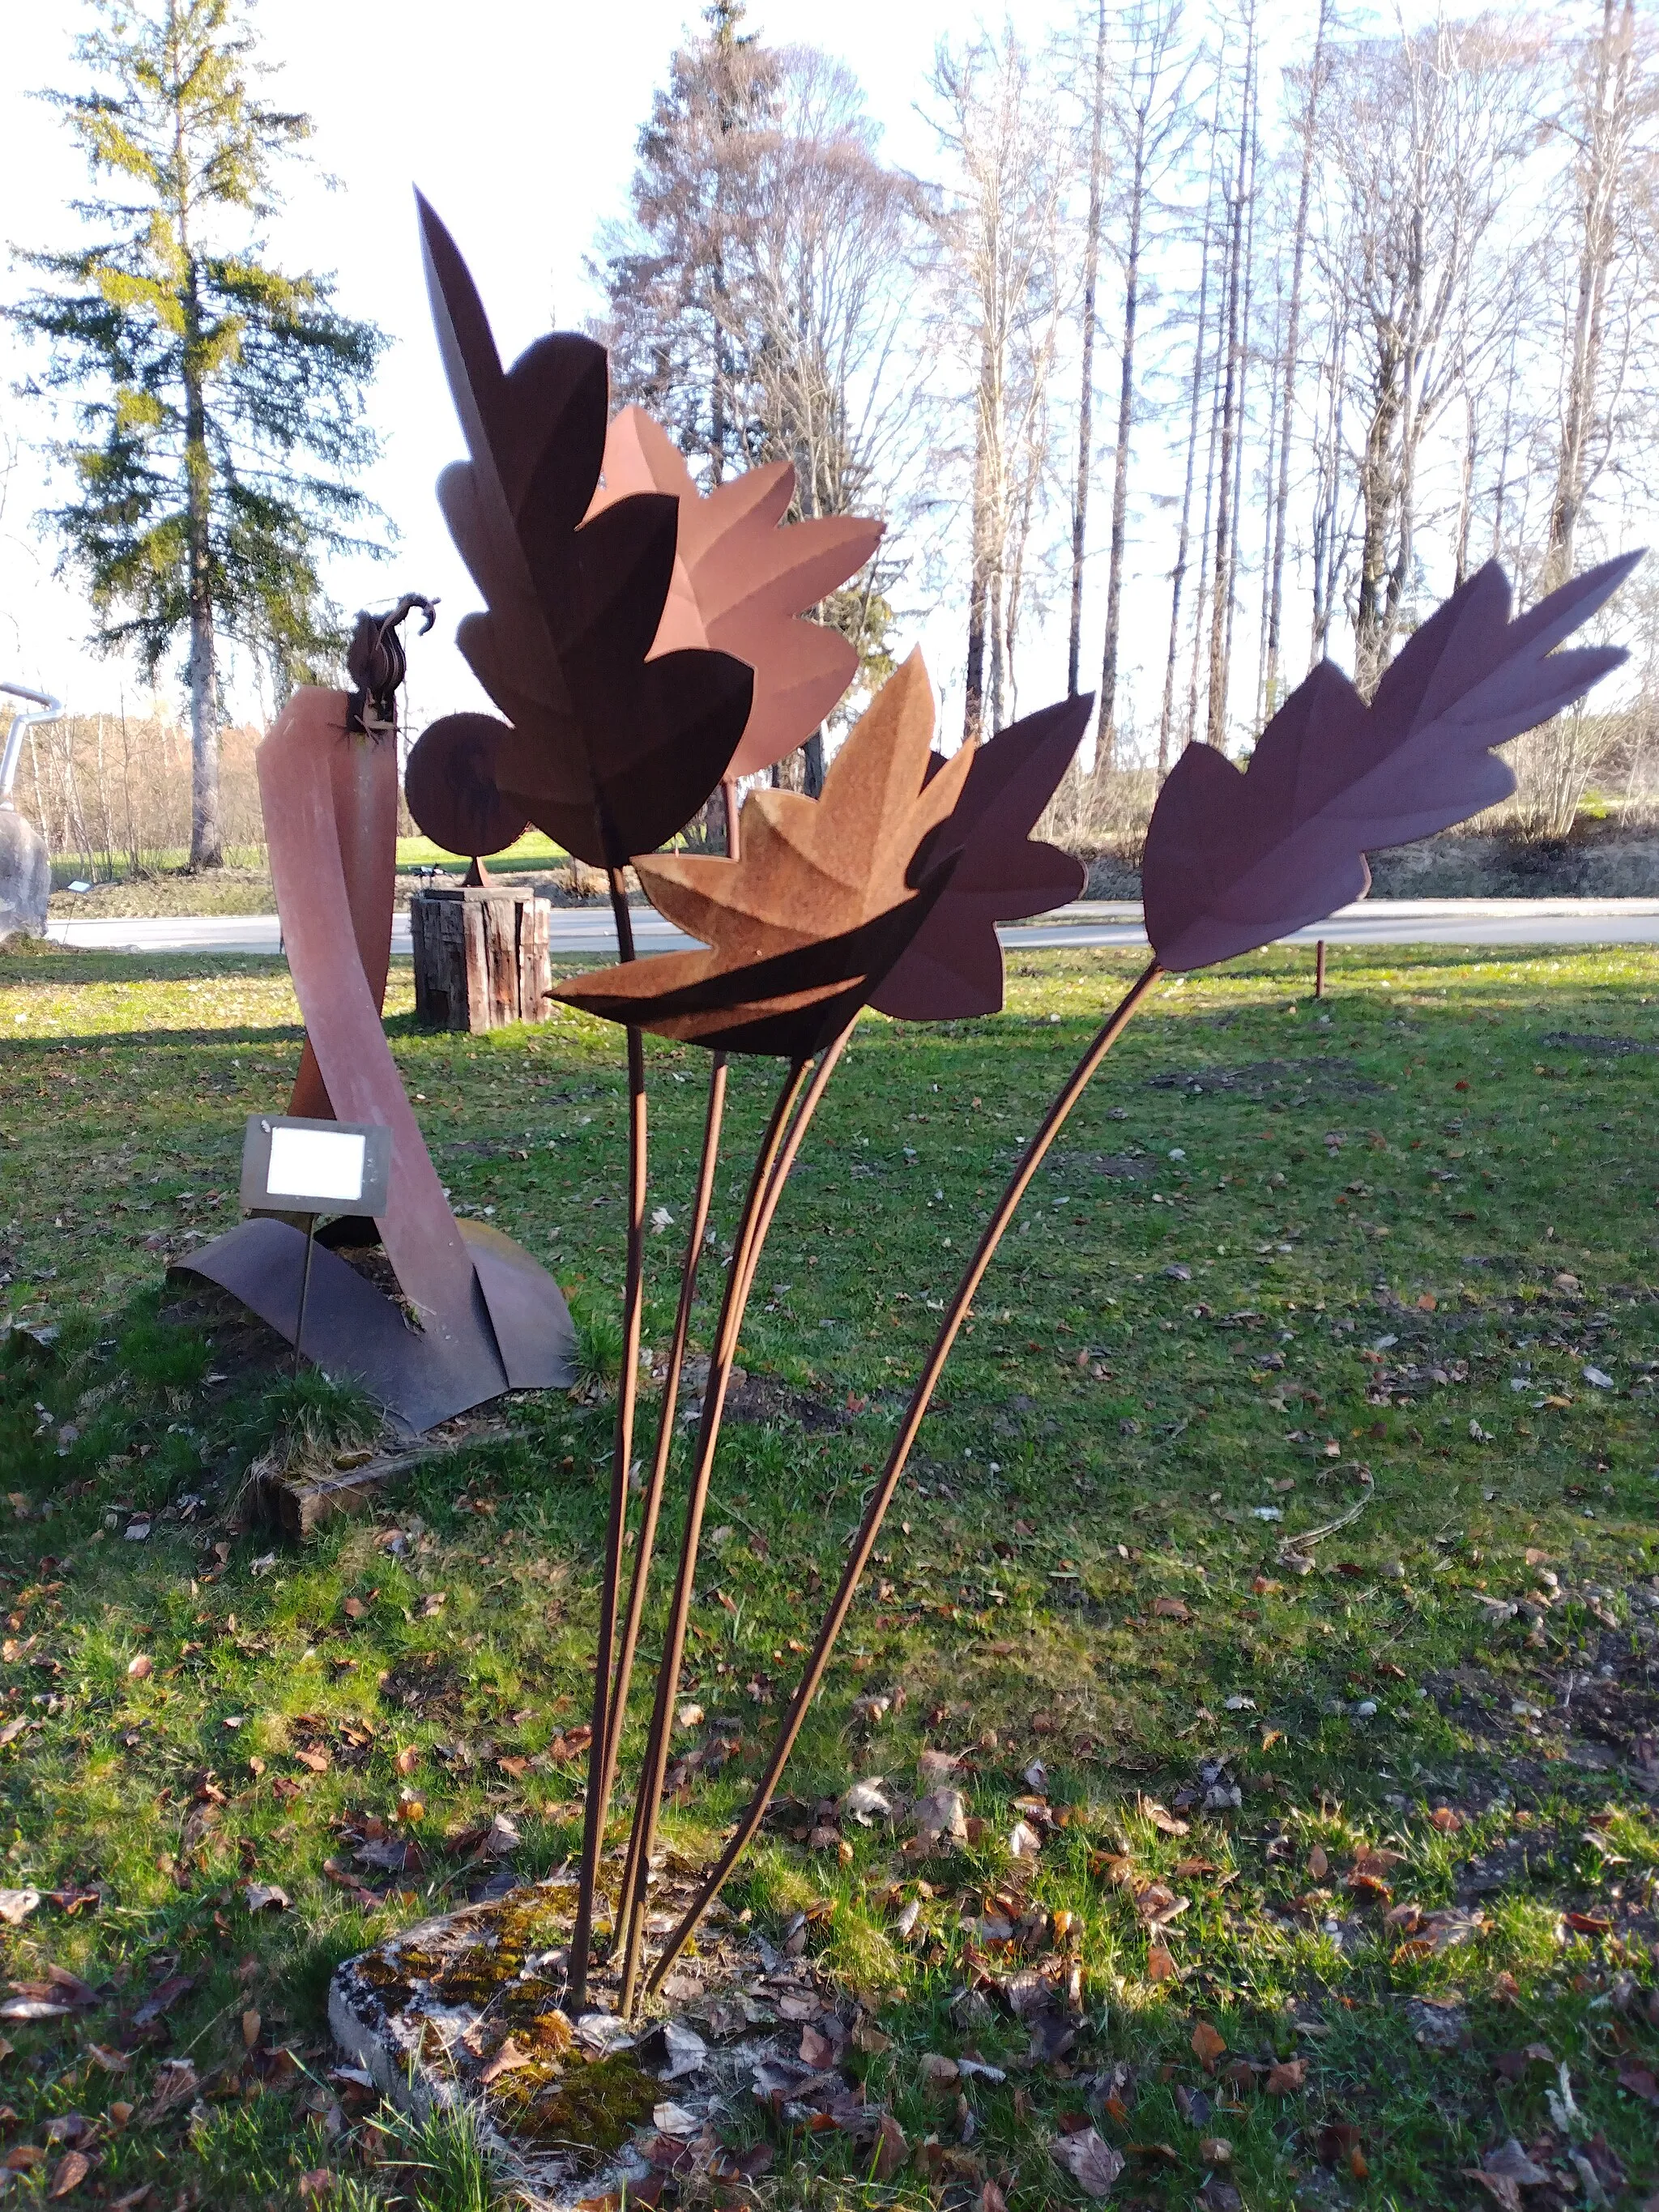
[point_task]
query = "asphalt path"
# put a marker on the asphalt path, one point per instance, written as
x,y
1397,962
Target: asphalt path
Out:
x,y
1089,922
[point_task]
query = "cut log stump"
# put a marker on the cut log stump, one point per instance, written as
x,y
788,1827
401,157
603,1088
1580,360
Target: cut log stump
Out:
x,y
481,958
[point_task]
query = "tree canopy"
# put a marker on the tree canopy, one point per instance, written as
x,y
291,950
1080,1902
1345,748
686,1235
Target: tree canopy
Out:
x,y
218,401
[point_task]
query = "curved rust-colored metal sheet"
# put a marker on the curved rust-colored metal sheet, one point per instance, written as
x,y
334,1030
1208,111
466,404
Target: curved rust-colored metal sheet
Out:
x,y
362,782
745,586
534,1333
491,1317
351,1329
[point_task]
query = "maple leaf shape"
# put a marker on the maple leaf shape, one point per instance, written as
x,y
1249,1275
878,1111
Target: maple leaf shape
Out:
x,y
952,967
804,927
1237,858
607,750
743,585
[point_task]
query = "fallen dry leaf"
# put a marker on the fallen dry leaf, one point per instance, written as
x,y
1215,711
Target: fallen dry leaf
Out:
x,y
251,2024
1160,1965
1640,2081
1319,1864
140,1669
1090,2159
1208,2044
507,2060
70,2171
1171,1609
892,2147
1286,2077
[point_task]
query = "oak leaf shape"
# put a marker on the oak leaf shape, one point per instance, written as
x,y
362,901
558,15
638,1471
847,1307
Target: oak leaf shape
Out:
x,y
609,751
1237,858
743,586
952,967
822,903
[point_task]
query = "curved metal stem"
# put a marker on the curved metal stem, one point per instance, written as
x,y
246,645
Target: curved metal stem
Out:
x,y
882,1497
670,1391
630,1903
763,1206
621,1459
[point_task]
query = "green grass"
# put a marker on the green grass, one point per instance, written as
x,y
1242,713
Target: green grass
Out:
x,y
1411,1197
535,849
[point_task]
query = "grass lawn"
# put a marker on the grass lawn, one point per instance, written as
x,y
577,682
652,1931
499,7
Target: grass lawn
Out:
x,y
1356,1865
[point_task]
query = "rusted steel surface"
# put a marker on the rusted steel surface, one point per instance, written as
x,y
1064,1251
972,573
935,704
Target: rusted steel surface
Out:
x,y
744,582
351,1328
489,1316
802,928
449,780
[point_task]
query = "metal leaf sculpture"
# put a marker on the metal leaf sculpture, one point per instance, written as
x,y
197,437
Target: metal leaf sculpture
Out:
x,y
609,751
804,927
1235,859
743,586
449,780
952,966
1233,864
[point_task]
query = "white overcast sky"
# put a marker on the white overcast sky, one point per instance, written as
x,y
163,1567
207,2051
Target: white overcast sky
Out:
x,y
517,118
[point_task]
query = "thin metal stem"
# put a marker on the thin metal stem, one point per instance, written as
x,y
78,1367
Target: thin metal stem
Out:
x,y
621,1459
670,1391
1319,969
757,1222
771,1174
305,1289
882,1497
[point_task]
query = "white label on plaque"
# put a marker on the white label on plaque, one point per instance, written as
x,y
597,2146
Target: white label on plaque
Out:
x,y
315,1164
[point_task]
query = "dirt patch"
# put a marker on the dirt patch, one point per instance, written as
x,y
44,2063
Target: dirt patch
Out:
x,y
1569,1041
426,1684
1264,1079
1125,1167
762,1399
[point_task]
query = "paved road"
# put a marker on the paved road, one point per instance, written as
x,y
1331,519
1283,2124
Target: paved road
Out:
x,y
1089,922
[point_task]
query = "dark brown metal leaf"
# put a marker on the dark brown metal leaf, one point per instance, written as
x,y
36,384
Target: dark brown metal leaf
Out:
x,y
1235,859
610,753
953,965
449,780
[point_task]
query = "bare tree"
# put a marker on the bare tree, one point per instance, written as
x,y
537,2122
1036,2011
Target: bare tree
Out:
x,y
1086,395
1006,287
1607,119
1309,136
822,289
1195,393
1239,199
1420,134
1151,117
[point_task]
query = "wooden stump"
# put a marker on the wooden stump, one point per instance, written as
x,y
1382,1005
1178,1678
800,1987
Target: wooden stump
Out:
x,y
481,957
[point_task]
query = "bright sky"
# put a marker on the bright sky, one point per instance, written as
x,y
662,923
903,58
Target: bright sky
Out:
x,y
517,118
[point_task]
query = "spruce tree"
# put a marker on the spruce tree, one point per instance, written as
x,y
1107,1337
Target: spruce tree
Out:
x,y
218,405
